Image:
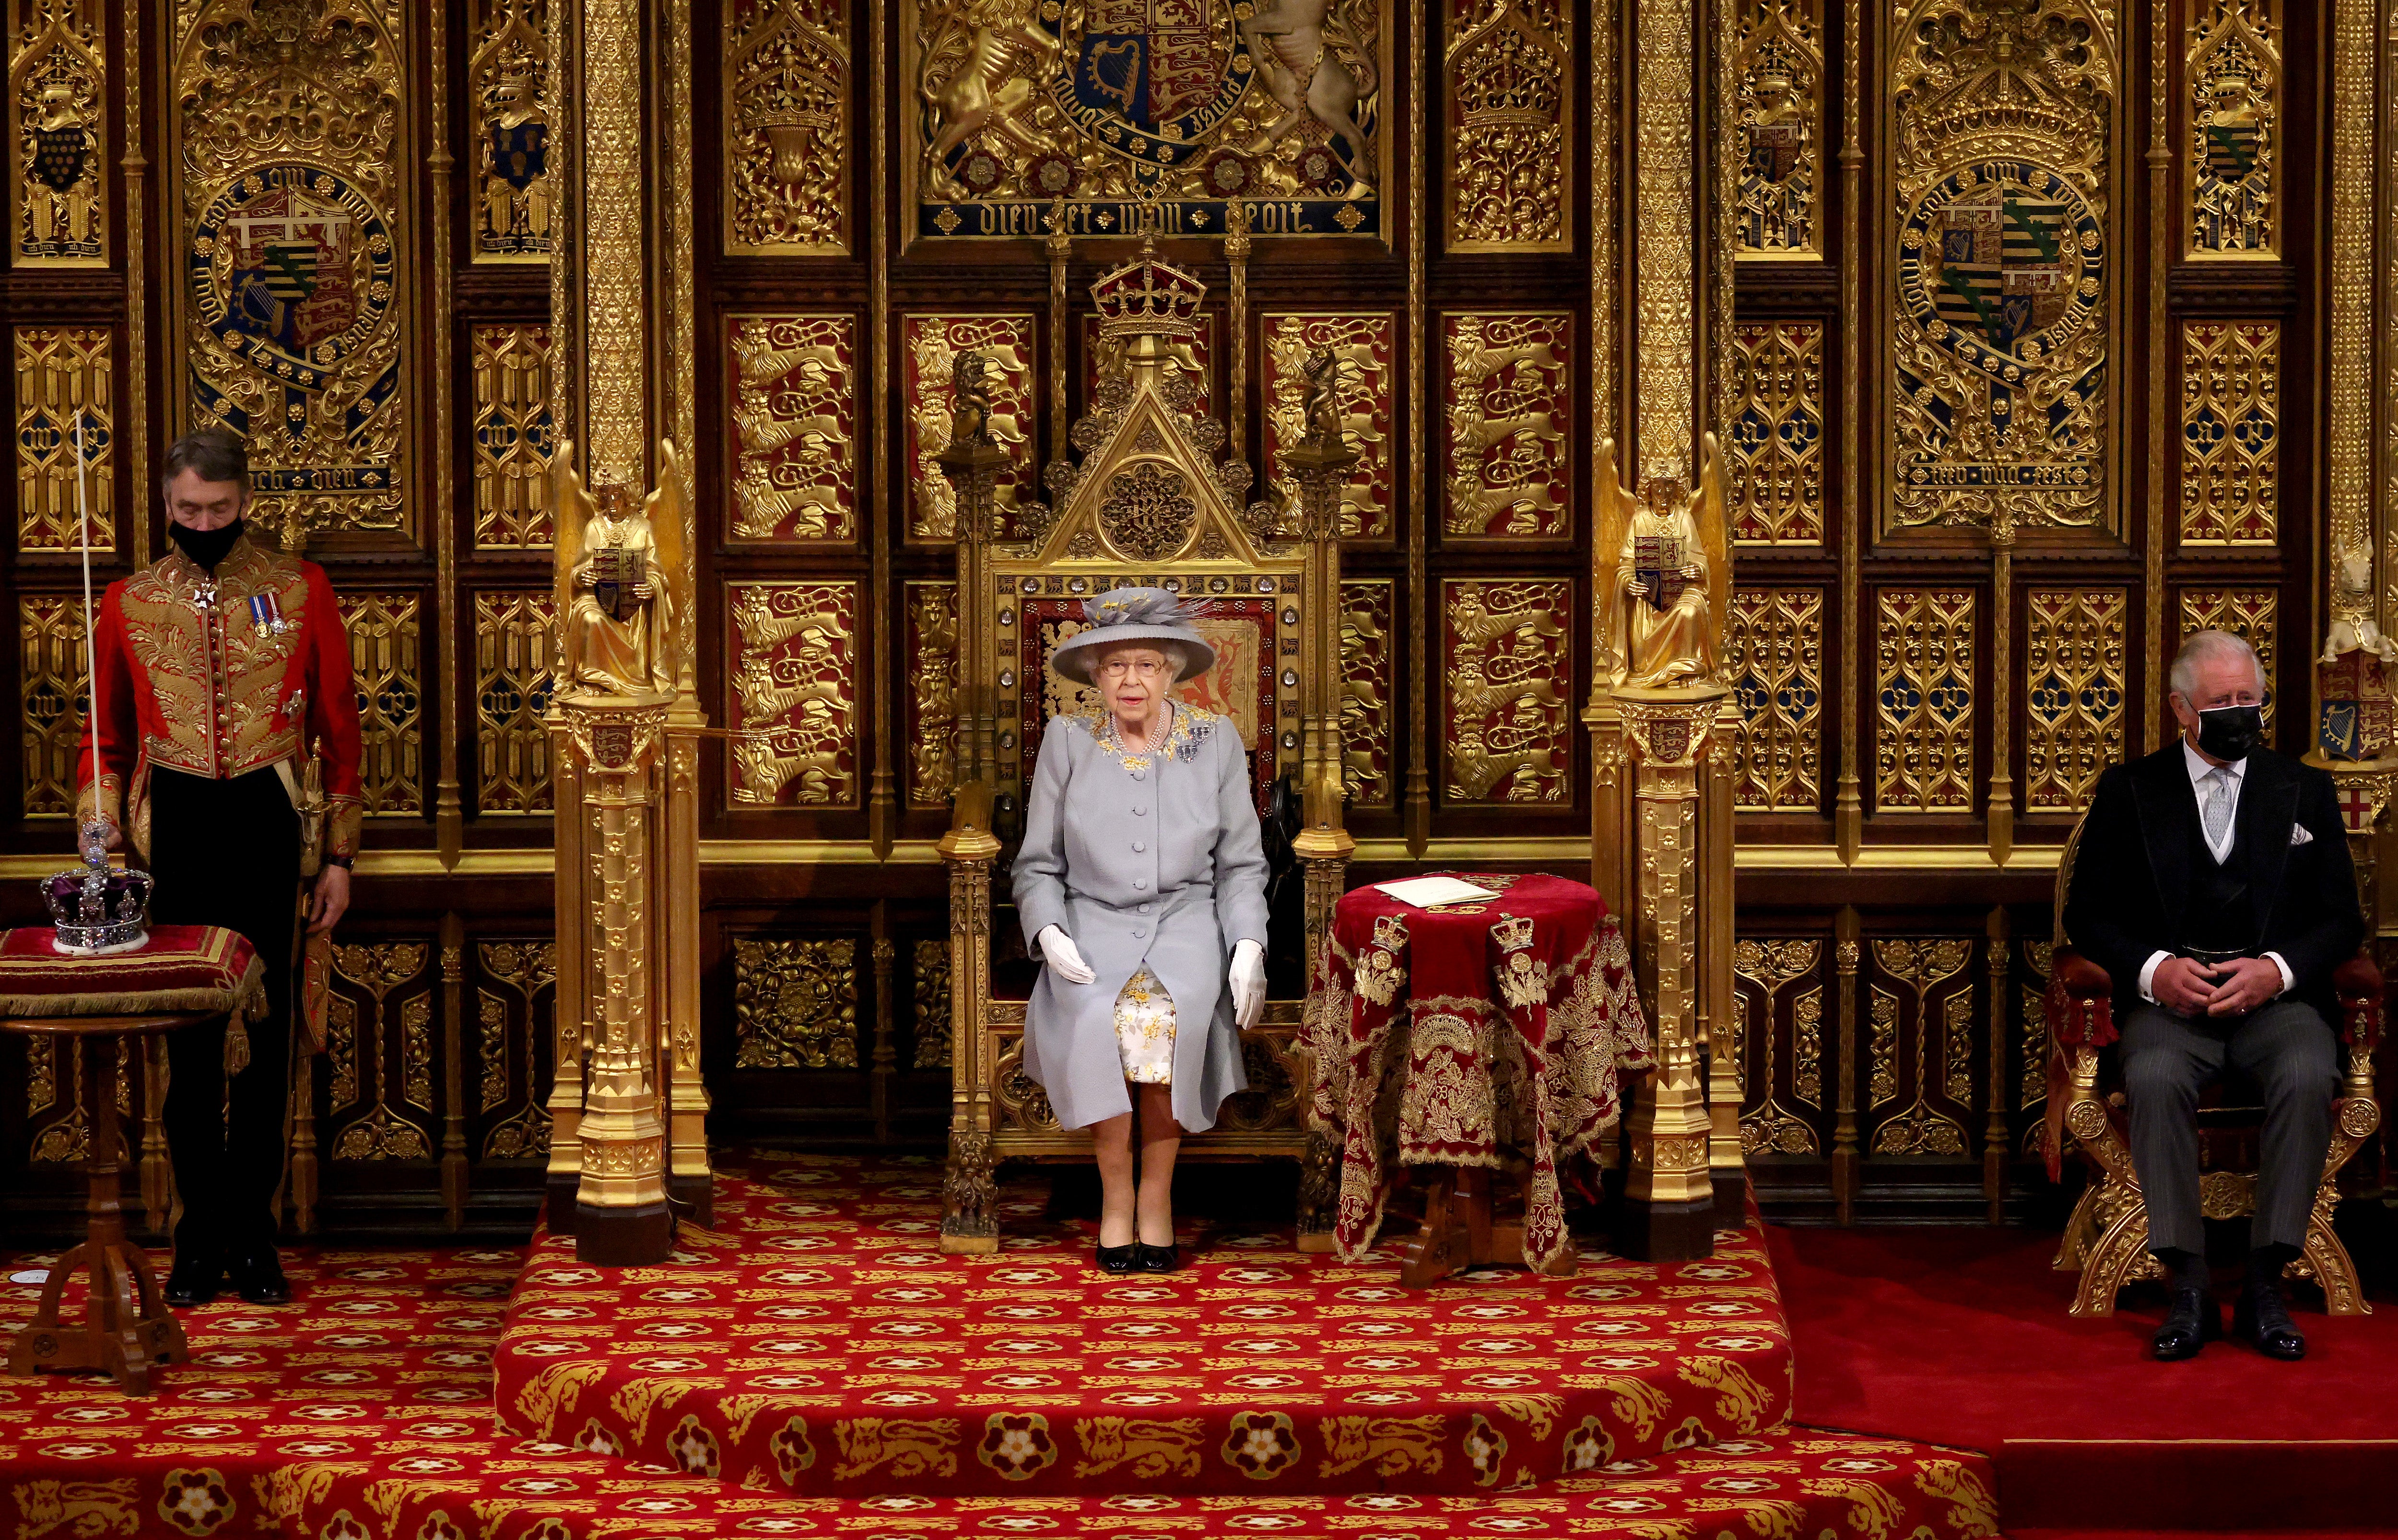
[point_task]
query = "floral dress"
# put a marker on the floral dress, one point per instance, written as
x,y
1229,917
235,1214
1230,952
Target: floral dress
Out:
x,y
1145,1029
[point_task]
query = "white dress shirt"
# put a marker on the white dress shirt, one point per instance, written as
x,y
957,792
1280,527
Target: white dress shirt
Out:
x,y
2237,773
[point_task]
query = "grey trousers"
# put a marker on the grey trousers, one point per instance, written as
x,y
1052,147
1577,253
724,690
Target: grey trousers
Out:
x,y
2169,1057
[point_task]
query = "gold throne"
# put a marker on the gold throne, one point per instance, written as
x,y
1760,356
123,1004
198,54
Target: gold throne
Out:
x,y
1148,503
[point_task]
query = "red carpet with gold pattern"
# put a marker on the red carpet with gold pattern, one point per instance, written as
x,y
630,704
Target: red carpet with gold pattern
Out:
x,y
815,1366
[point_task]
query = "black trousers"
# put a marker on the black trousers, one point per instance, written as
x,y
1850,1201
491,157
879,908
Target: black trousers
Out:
x,y
227,853
2169,1057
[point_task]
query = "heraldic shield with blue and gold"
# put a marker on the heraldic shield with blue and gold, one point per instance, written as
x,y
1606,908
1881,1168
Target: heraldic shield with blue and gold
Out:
x,y
1187,105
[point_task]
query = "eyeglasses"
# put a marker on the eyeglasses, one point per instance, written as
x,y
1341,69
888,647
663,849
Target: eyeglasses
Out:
x,y
1147,667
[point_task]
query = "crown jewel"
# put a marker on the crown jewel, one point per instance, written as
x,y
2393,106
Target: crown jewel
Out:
x,y
1147,297
95,907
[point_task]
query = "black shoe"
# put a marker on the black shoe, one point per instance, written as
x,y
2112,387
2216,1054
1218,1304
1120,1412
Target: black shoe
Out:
x,y
2195,1319
1119,1259
1158,1259
258,1278
193,1281
2262,1317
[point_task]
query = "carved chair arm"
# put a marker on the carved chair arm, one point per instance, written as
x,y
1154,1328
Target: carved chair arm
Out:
x,y
2359,985
2081,1001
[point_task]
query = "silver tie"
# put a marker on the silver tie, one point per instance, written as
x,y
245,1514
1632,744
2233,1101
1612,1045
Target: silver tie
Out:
x,y
2218,811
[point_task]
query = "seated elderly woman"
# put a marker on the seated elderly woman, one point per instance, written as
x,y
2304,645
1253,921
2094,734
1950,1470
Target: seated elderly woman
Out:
x,y
1142,883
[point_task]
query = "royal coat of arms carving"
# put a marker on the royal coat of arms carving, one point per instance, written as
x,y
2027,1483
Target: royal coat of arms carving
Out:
x,y
1102,107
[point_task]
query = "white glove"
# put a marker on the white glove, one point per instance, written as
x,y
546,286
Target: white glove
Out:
x,y
1058,948
1248,980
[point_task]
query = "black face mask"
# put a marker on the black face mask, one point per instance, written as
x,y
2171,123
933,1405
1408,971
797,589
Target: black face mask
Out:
x,y
206,548
2231,732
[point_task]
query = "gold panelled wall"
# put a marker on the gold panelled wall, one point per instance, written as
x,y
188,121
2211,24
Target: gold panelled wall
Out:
x,y
2013,413
2004,410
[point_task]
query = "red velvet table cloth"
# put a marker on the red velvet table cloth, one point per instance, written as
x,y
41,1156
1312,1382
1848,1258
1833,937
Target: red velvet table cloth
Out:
x,y
1458,1035
182,968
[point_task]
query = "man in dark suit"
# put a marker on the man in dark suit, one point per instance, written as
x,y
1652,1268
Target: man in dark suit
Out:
x,y
2213,884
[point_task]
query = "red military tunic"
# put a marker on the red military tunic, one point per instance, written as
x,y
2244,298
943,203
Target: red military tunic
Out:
x,y
194,674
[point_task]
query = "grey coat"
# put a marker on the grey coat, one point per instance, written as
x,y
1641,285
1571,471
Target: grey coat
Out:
x,y
1153,858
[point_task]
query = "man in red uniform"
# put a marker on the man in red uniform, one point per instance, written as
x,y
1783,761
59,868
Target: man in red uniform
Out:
x,y
221,672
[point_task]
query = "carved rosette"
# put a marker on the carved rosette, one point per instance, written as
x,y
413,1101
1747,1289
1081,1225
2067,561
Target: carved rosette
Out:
x,y
1148,512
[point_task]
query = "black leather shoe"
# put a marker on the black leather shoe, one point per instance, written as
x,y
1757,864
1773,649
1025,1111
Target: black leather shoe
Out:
x,y
193,1280
2263,1319
2195,1319
1159,1259
258,1278
1119,1259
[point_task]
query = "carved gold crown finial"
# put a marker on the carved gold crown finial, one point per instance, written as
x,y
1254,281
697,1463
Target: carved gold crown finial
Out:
x,y
1147,297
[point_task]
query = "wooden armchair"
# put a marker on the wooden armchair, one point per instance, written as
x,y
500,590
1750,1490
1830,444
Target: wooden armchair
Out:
x,y
2106,1239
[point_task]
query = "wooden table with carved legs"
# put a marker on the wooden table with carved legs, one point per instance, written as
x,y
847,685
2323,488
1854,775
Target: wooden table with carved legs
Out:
x,y
127,1328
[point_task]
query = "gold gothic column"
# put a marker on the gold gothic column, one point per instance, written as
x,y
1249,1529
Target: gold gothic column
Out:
x,y
972,461
1670,1207
1321,463
1661,735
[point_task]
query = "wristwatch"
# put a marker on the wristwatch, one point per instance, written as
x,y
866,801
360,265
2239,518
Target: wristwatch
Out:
x,y
345,862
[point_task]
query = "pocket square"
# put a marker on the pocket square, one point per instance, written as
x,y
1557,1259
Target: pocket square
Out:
x,y
2299,836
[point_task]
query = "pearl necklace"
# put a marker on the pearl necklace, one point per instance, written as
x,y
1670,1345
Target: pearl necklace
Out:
x,y
1151,740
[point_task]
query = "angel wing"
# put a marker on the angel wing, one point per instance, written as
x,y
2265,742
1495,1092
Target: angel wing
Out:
x,y
665,509
1711,510
571,509
1607,597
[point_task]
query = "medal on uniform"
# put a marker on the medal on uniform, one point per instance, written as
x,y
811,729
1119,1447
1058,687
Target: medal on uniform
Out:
x,y
266,615
204,597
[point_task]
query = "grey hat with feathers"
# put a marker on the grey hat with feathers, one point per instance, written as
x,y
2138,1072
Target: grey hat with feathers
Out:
x,y
1123,615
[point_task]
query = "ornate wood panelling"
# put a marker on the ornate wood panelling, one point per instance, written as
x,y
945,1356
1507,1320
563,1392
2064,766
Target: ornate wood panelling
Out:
x,y
382,1050
1363,346
1121,104
289,166
2232,161
1999,390
2251,614
1507,404
1507,678
2230,432
387,664
1368,691
1774,452
928,344
1779,80
1774,654
1923,700
931,972
794,676
514,999
795,1004
512,205
2031,1018
2073,692
932,620
58,91
794,421
514,435
1921,1043
515,646
1780,991
50,699
1507,73
65,384
787,115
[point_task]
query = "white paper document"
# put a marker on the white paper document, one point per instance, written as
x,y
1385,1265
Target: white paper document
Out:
x,y
1426,892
